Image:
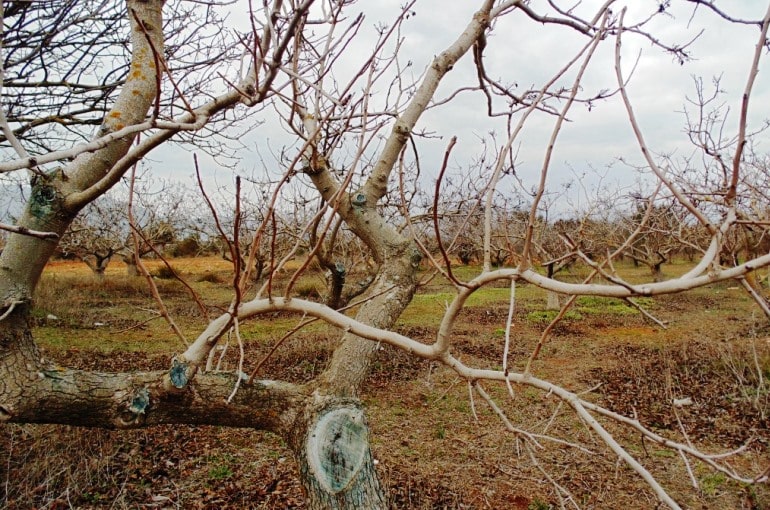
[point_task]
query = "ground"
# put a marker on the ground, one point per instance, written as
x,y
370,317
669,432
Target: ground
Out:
x,y
435,446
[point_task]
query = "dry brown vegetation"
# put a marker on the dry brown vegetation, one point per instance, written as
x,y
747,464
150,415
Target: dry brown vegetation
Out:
x,y
431,450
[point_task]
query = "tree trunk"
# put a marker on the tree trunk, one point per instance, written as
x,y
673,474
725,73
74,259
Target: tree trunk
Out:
x,y
97,262
553,301
337,275
130,262
331,445
657,272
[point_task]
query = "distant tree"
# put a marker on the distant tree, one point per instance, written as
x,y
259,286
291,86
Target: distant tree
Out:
x,y
190,245
103,230
661,231
96,235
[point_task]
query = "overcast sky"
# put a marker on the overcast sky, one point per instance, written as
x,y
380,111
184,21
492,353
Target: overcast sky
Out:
x,y
524,51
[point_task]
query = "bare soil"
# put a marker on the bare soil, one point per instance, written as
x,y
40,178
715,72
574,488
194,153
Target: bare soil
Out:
x,y
436,447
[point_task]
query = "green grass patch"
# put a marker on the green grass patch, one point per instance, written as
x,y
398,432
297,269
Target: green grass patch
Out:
x,y
427,309
549,315
711,484
594,305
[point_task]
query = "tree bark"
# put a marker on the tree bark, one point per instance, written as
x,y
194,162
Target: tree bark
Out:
x,y
97,262
130,262
330,442
552,301
331,445
33,390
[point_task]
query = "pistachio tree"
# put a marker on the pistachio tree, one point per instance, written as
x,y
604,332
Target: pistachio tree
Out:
x,y
355,114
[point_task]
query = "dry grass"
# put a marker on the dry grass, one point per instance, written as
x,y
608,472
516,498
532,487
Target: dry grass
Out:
x,y
432,451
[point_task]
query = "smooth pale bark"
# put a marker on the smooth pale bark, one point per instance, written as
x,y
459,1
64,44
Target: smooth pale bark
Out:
x,y
552,301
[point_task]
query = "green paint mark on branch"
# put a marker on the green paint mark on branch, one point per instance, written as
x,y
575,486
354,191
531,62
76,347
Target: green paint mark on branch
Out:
x,y
415,258
178,374
359,199
140,402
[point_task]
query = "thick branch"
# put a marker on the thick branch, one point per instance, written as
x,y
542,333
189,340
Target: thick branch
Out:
x,y
376,186
138,399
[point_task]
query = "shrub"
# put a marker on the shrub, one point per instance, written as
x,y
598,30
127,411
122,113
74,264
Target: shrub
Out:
x,y
210,277
165,272
187,247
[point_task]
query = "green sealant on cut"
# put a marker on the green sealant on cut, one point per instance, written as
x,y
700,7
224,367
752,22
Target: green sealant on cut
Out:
x,y
359,199
140,402
178,374
41,199
336,448
415,258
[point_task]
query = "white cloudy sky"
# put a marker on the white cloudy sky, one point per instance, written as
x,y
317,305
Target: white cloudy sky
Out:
x,y
523,51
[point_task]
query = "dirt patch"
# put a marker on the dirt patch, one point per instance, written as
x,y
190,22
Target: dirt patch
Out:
x,y
436,447
116,361
719,396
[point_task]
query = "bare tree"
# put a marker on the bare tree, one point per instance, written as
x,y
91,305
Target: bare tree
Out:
x,y
96,235
351,148
152,221
103,230
660,228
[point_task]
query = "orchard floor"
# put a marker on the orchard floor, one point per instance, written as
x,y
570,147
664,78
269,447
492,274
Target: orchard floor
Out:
x,y
436,447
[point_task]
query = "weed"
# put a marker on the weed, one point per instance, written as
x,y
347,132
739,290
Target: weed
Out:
x,y
462,406
539,504
90,497
711,483
220,472
274,454
440,432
